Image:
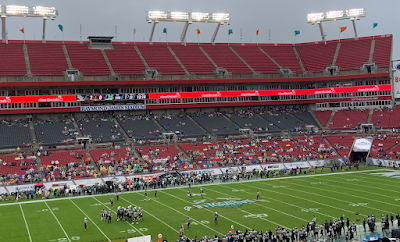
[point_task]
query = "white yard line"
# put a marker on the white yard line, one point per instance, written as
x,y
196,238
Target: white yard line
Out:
x,y
198,185
290,195
169,226
58,221
140,232
332,198
289,204
222,216
379,180
266,208
90,220
155,200
26,224
349,194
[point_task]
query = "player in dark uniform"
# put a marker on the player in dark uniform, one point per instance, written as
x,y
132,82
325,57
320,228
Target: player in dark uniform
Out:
x,y
216,218
111,201
109,216
188,222
258,195
155,194
145,194
190,193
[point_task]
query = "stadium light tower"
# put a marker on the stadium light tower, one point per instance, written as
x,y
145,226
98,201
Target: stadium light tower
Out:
x,y
188,18
352,14
26,11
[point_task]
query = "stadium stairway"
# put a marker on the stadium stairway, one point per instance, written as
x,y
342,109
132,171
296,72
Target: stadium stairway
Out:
x,y
265,53
336,53
76,126
122,130
33,135
329,120
371,51
316,119
141,57
229,120
201,127
178,60
67,57
248,66
27,62
108,62
371,112
260,116
208,57
299,59
92,162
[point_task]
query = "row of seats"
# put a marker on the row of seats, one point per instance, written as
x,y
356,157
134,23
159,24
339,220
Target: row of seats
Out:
x,y
49,59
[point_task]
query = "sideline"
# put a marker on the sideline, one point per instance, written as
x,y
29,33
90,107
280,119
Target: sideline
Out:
x,y
58,221
197,185
26,224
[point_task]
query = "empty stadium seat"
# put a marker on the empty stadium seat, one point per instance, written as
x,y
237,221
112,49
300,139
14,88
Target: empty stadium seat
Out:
x,y
47,59
316,56
193,59
125,60
256,59
383,51
88,61
353,54
158,56
12,59
285,56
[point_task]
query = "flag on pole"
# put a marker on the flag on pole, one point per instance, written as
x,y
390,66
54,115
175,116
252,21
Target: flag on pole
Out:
x,y
198,31
22,30
258,31
164,31
375,25
230,31
134,30
296,32
342,29
61,27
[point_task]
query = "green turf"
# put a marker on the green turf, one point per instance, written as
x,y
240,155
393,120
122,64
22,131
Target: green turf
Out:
x,y
289,202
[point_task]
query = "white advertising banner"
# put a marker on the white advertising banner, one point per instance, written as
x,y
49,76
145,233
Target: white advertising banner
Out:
x,y
89,182
317,163
396,79
273,166
48,185
21,188
303,164
114,178
212,171
362,145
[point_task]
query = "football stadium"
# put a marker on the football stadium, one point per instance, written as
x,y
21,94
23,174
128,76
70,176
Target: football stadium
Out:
x,y
157,140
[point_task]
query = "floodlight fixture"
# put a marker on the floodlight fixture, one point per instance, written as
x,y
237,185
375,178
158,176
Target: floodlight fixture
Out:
x,y
188,18
179,15
351,14
26,11
314,17
334,15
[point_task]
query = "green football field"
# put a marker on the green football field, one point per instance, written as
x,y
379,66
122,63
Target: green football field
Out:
x,y
289,202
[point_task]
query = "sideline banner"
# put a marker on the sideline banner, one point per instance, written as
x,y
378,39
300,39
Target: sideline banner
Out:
x,y
213,171
270,167
112,108
303,164
317,163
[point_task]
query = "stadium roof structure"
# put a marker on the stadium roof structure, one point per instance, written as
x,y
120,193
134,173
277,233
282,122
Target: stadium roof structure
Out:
x,y
188,18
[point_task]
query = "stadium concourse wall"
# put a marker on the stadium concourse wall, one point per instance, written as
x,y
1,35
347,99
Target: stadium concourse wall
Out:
x,y
122,178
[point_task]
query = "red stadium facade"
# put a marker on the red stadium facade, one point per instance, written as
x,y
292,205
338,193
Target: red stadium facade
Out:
x,y
77,77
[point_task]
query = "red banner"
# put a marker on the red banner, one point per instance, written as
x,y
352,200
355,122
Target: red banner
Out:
x,y
173,95
38,99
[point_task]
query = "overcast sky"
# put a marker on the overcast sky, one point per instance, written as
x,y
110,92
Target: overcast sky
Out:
x,y
282,17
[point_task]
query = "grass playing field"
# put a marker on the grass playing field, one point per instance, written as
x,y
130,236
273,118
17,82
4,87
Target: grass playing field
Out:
x,y
289,202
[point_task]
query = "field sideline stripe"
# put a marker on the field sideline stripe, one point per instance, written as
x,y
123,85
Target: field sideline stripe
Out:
x,y
155,200
26,224
169,226
140,232
90,220
233,221
197,185
58,222
394,183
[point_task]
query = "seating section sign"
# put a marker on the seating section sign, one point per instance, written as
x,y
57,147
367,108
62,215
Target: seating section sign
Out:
x,y
112,108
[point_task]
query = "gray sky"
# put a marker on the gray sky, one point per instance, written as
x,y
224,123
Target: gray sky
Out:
x,y
282,17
